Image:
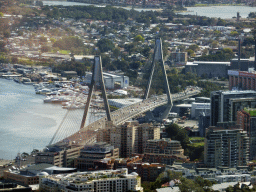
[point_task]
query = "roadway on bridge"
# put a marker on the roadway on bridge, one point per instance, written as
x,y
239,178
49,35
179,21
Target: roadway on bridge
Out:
x,y
124,114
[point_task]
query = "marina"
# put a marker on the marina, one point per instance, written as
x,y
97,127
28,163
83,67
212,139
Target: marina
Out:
x,y
29,121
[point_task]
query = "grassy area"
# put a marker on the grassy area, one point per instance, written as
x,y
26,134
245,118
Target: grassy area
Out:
x,y
196,145
196,138
66,52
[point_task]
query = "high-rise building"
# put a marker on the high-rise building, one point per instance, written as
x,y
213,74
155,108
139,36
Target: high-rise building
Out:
x,y
226,147
97,181
203,123
247,120
224,104
131,137
163,151
91,153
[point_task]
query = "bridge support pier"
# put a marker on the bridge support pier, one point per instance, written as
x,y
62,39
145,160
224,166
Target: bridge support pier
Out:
x,y
158,57
97,78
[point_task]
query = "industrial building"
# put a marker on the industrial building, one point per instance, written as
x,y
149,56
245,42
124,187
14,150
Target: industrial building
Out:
x,y
208,69
226,146
111,81
225,104
242,64
242,80
199,108
178,58
119,103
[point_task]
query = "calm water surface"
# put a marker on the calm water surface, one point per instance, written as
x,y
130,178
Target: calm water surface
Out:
x,y
66,3
224,12
25,121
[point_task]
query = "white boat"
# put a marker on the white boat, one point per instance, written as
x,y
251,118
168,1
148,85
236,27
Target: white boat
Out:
x,y
43,91
56,99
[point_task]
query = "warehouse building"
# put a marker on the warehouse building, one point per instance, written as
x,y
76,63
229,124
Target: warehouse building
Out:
x,y
112,81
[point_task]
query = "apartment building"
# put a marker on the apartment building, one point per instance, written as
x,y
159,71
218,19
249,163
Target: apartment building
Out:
x,y
247,120
164,151
58,155
147,171
97,181
95,152
224,104
130,138
227,147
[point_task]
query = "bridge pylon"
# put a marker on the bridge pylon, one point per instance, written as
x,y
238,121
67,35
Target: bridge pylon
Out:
x,y
97,79
158,57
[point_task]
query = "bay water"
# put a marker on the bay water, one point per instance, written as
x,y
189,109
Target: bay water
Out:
x,y
26,122
223,12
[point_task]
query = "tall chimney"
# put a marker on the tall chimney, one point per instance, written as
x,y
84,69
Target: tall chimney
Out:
x,y
255,53
239,54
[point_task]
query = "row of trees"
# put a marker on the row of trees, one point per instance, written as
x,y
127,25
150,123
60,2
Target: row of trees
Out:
x,y
175,132
100,13
225,54
186,185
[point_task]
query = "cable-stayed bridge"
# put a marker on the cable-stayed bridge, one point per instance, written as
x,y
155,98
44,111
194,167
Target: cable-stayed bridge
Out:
x,y
87,132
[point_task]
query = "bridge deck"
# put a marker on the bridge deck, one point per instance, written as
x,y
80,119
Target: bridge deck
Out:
x,y
123,114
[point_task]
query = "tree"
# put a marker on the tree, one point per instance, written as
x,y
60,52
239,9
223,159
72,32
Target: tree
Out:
x,y
135,65
24,155
190,52
172,130
52,40
105,60
45,48
105,45
155,29
34,151
116,52
194,47
2,46
146,51
69,43
174,71
188,185
234,33
7,34
15,59
139,38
